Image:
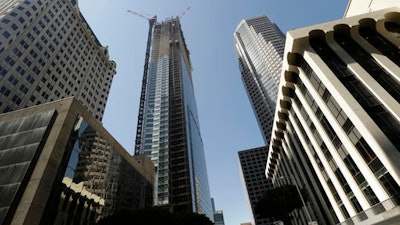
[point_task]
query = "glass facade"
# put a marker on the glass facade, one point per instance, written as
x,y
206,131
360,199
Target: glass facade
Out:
x,y
97,180
21,143
75,172
198,170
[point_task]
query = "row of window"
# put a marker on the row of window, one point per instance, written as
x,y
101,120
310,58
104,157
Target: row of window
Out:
x,y
39,45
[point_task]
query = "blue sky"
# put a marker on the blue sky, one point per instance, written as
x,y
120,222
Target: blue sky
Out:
x,y
226,119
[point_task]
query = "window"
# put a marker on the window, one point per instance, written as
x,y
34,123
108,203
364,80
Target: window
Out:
x,y
24,44
14,26
36,70
4,91
3,71
17,52
10,61
27,61
369,193
391,186
39,46
6,34
36,30
20,70
16,99
7,109
23,89
33,53
30,79
30,37
13,80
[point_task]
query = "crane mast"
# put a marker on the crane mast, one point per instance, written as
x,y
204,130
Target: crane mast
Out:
x,y
139,128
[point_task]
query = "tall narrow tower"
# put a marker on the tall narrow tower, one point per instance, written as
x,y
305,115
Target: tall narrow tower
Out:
x,y
168,125
259,46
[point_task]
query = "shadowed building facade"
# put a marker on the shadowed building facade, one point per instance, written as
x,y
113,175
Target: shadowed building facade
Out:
x,y
252,167
60,166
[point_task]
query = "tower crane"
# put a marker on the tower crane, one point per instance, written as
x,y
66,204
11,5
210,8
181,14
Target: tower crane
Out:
x,y
184,12
139,129
140,15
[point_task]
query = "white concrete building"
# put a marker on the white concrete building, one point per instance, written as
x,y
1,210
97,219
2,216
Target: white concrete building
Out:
x,y
357,7
337,122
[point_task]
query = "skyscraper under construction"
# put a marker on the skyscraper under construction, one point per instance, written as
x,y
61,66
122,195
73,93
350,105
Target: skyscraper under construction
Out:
x,y
168,128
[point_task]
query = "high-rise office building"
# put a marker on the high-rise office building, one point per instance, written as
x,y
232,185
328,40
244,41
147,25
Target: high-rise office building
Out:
x,y
168,125
60,166
259,46
49,52
337,127
252,166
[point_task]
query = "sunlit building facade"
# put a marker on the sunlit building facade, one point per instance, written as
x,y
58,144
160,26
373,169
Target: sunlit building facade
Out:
x,y
259,46
357,7
49,52
60,166
168,125
336,130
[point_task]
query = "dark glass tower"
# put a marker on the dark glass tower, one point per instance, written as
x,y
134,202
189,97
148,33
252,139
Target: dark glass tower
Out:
x,y
168,126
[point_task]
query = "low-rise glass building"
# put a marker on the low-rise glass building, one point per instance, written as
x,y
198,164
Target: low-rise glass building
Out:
x,y
58,165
